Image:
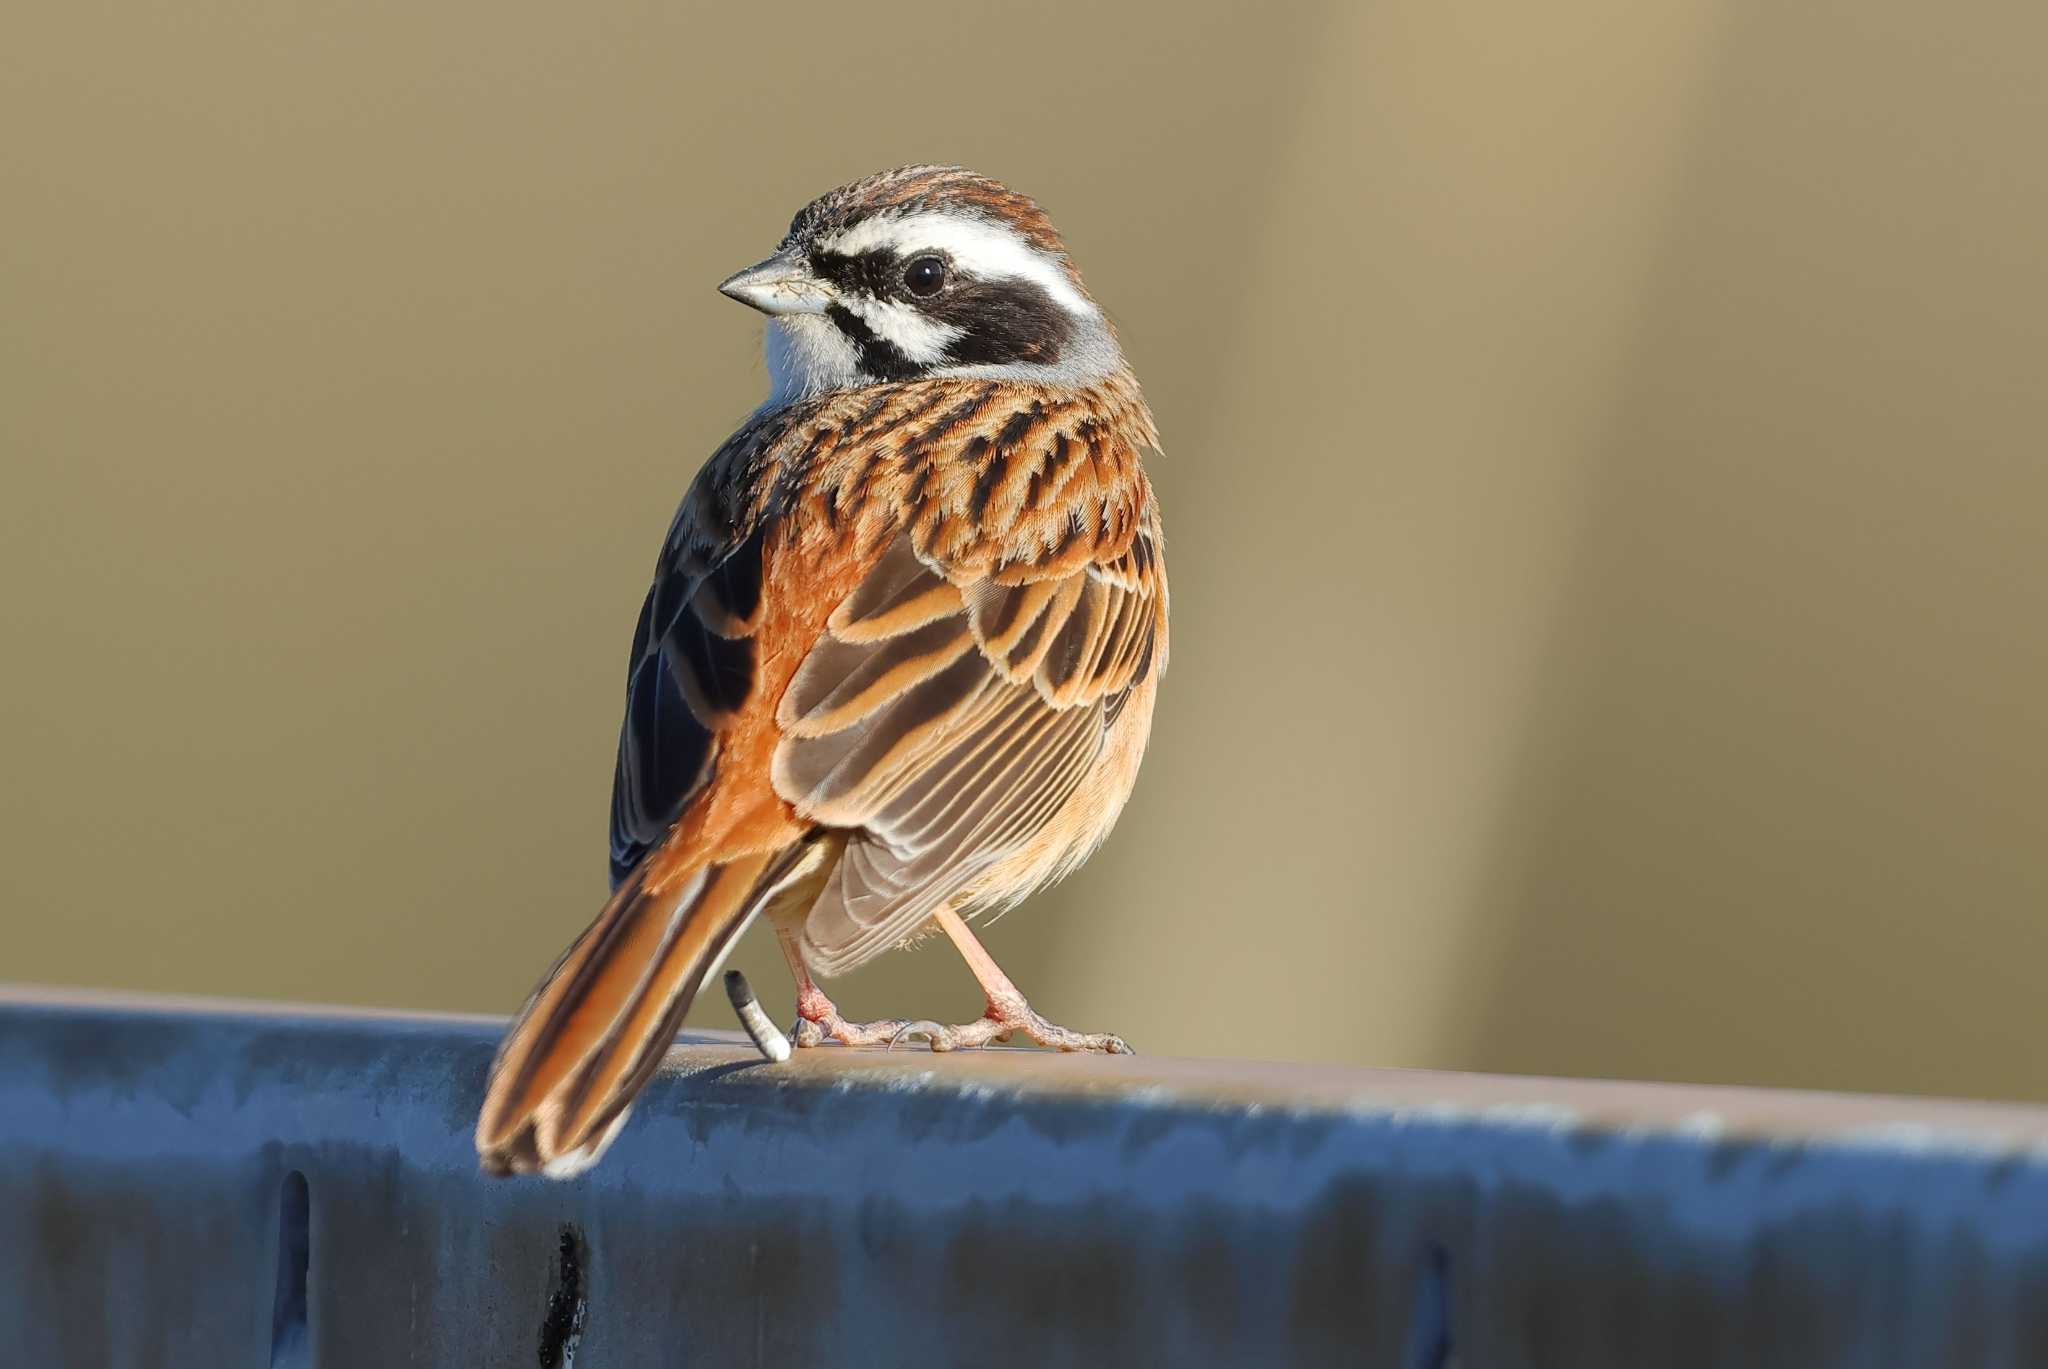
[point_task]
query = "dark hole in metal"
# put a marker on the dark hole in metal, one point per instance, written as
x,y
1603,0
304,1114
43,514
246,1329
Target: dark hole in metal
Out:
x,y
1429,1327
561,1325
294,1249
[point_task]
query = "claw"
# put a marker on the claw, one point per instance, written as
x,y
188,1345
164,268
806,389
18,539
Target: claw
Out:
x,y
939,1036
817,1026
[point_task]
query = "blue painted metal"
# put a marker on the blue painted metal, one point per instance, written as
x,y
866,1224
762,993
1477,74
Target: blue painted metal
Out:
x,y
229,1186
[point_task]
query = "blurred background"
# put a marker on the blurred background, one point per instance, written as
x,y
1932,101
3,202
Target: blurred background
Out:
x,y
1618,426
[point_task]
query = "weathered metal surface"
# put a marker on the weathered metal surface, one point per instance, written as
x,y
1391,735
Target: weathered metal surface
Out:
x,y
223,1186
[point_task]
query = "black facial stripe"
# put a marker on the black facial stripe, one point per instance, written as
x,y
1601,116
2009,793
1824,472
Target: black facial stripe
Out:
x,y
879,357
1002,322
876,272
1005,322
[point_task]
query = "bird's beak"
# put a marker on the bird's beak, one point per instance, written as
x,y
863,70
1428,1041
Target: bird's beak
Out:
x,y
783,284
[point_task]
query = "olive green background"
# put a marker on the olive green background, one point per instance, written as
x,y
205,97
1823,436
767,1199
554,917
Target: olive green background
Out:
x,y
1605,480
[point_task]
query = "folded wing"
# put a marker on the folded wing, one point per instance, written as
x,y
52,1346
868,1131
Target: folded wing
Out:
x,y
945,723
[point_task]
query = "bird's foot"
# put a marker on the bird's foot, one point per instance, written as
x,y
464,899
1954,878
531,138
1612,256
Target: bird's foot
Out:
x,y
814,1027
818,1021
1004,1020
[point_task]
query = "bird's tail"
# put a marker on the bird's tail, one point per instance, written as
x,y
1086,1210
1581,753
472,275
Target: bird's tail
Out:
x,y
597,1027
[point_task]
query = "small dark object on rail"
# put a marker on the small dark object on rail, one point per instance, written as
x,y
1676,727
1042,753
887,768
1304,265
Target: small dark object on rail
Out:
x,y
772,1042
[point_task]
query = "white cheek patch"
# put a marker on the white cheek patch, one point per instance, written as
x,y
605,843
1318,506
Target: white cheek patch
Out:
x,y
922,341
988,250
808,356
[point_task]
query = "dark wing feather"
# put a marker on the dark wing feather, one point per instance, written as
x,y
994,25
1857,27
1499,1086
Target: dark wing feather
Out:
x,y
692,664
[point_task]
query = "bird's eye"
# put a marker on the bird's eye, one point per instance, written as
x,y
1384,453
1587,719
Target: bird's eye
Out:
x,y
924,276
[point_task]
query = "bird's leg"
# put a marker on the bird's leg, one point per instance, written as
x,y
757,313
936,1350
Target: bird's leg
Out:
x,y
1007,1011
817,1016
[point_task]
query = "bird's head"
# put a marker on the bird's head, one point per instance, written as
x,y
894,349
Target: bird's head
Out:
x,y
919,272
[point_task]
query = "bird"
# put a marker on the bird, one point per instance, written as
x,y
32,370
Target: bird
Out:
x,y
897,667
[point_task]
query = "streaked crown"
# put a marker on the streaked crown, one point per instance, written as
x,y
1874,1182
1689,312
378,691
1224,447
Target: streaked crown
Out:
x,y
907,190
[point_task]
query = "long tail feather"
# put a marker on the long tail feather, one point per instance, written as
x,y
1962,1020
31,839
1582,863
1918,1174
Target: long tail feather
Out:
x,y
596,1029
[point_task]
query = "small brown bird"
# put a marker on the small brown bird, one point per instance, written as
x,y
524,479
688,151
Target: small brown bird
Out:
x,y
897,666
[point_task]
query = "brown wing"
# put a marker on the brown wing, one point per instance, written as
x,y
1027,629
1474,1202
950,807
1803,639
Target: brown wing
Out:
x,y
945,716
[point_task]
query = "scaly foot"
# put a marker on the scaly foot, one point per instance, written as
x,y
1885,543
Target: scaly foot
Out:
x,y
1004,1019
815,1028
818,1021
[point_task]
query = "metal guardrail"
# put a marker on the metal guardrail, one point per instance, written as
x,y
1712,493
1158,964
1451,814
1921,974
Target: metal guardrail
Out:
x,y
224,1185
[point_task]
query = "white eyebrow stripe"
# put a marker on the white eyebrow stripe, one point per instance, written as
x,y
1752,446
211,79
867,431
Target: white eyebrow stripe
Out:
x,y
922,340
977,246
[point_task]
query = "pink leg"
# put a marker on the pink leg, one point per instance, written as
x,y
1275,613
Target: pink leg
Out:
x,y
1008,1012
817,1017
